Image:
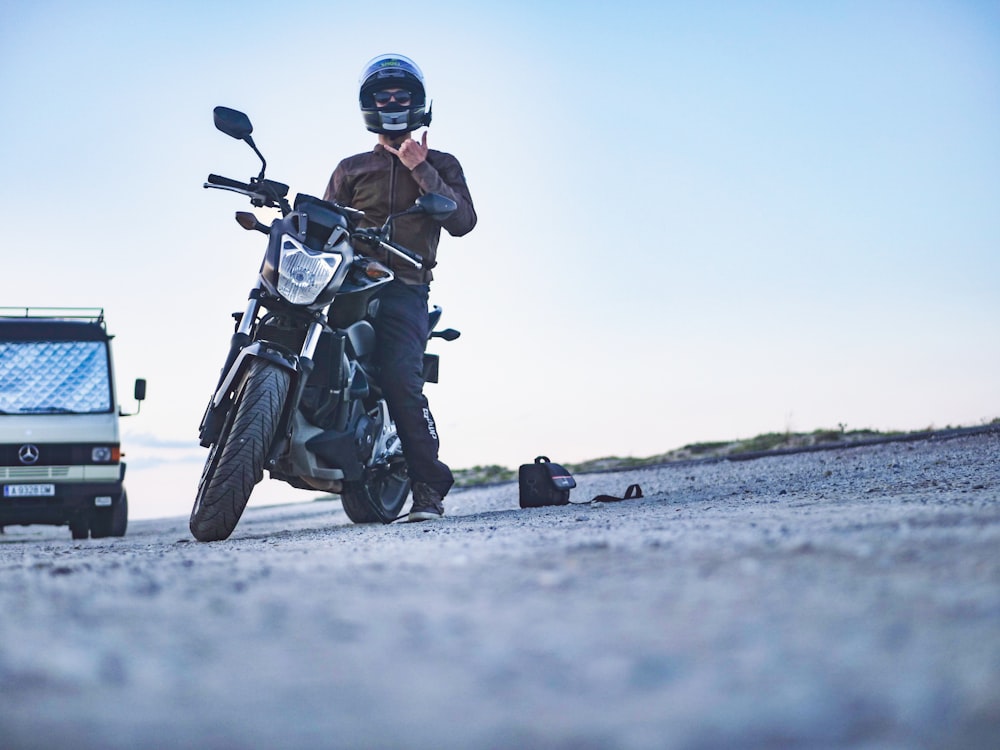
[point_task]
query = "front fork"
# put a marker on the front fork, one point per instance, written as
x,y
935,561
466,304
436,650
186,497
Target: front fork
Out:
x,y
240,351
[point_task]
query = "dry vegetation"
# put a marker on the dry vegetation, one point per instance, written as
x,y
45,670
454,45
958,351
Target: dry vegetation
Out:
x,y
771,442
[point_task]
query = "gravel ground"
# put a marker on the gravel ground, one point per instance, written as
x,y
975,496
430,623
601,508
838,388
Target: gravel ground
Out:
x,y
847,598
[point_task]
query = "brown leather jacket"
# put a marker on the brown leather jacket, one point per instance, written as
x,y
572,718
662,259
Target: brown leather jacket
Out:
x,y
377,183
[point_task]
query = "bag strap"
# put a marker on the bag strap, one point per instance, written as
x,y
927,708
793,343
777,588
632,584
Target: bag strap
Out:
x,y
633,492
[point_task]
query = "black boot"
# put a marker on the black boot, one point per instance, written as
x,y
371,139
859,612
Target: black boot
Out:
x,y
428,504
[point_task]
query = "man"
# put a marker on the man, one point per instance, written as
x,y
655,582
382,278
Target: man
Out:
x,y
388,180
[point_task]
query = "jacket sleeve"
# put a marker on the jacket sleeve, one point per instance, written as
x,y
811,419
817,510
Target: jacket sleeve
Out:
x,y
441,173
337,189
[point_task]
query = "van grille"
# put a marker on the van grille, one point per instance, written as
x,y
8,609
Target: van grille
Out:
x,y
33,472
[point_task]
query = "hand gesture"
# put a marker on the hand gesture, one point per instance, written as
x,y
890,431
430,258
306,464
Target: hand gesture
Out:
x,y
410,152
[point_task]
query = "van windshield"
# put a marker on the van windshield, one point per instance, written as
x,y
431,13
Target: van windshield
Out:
x,y
54,377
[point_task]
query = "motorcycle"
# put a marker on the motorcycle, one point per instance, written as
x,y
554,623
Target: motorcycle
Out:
x,y
298,393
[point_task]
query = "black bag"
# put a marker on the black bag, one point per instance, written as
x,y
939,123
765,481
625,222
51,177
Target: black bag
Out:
x,y
543,483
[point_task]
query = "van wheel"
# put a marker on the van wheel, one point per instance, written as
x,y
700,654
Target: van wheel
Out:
x,y
80,528
110,521
119,516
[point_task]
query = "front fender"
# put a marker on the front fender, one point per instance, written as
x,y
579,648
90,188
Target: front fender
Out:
x,y
259,350
215,414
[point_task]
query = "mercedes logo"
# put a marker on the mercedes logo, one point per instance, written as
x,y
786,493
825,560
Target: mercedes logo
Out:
x,y
28,454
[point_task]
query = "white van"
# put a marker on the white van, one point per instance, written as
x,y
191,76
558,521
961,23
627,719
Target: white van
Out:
x,y
60,447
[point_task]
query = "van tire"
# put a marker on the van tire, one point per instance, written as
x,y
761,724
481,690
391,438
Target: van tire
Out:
x,y
80,528
111,521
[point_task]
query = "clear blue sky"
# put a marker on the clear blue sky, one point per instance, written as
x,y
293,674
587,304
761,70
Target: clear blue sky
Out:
x,y
698,221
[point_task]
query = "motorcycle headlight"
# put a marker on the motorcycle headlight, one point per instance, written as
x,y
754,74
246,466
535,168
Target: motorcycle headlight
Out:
x,y
303,273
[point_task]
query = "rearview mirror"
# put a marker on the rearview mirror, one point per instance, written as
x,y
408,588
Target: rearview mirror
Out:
x,y
438,207
237,125
232,122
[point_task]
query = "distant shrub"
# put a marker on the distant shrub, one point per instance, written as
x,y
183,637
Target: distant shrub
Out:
x,y
827,436
477,475
766,442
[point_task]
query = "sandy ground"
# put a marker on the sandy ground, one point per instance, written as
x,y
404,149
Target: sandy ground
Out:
x,y
847,598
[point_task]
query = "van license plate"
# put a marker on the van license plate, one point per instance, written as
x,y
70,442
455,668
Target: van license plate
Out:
x,y
29,490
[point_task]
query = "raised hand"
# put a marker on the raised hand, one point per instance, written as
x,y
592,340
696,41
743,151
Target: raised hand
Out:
x,y
410,152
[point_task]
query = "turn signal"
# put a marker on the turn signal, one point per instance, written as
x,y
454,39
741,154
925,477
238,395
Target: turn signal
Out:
x,y
246,220
375,270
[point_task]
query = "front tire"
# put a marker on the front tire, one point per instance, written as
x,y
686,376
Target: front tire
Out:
x,y
236,460
379,497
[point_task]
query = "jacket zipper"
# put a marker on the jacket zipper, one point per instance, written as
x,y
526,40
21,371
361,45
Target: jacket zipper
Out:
x,y
392,198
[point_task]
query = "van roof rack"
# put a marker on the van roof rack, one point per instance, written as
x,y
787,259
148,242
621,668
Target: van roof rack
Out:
x,y
92,314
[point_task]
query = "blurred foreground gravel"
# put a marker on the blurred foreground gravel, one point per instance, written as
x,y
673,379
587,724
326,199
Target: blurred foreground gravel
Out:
x,y
845,598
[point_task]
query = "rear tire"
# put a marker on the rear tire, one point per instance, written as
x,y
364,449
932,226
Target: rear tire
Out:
x,y
386,490
236,460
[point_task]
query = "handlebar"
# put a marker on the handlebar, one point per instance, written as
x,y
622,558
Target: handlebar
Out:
x,y
370,237
270,193
414,258
260,192
215,179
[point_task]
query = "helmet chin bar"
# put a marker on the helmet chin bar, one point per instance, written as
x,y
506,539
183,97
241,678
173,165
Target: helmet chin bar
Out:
x,y
395,122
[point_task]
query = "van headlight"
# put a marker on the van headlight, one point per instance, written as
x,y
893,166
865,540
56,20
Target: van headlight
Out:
x,y
105,454
304,273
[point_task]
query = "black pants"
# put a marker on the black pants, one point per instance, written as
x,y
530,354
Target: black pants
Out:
x,y
401,328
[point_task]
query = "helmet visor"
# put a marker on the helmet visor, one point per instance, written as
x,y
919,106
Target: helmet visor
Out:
x,y
402,98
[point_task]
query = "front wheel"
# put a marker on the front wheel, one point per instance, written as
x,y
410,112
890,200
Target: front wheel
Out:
x,y
378,497
236,460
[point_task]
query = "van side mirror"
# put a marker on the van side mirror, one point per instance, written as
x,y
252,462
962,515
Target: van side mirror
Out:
x,y
140,394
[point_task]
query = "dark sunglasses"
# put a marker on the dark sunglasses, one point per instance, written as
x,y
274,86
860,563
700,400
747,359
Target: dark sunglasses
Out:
x,y
400,97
